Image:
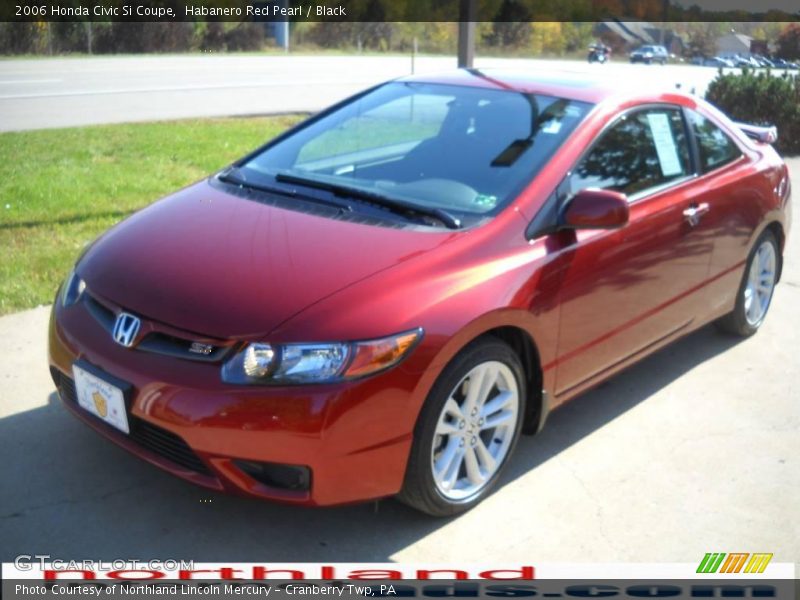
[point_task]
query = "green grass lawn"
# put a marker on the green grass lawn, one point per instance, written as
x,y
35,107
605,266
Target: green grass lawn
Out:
x,y
61,188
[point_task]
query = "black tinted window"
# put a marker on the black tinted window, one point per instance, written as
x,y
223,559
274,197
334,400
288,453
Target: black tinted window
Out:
x,y
642,150
714,146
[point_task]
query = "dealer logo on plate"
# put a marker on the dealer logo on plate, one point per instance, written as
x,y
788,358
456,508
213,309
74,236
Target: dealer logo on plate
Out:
x,y
100,404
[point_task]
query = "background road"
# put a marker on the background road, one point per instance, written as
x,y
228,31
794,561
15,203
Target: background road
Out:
x,y
696,449
36,94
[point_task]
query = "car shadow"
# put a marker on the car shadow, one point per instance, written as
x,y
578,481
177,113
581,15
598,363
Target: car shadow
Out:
x,y
72,494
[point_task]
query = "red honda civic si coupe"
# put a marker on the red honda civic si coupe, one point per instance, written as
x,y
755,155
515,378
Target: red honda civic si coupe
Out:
x,y
379,301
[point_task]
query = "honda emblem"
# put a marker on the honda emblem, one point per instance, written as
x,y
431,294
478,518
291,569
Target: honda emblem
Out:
x,y
125,329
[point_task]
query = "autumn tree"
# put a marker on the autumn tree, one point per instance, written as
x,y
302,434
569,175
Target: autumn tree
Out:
x,y
789,42
546,38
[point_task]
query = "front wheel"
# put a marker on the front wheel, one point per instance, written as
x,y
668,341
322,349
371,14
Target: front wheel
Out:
x,y
466,431
755,291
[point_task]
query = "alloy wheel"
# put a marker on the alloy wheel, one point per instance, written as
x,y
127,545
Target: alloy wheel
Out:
x,y
475,430
760,283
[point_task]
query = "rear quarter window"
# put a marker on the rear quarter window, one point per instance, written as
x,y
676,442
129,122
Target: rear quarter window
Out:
x,y
715,147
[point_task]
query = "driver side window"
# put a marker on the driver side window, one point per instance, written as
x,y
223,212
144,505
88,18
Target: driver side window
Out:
x,y
641,151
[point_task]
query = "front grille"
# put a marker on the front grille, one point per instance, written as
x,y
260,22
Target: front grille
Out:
x,y
149,436
101,313
167,445
158,342
169,345
65,385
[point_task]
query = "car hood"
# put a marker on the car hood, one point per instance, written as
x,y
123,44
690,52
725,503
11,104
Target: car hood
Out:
x,y
228,267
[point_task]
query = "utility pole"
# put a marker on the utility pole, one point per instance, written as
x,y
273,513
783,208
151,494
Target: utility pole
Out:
x,y
467,15
281,29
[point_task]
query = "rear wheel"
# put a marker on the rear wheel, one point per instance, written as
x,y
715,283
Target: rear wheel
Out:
x,y
466,430
756,289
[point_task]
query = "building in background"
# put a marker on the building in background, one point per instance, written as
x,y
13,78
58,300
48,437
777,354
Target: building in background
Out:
x,y
733,44
623,35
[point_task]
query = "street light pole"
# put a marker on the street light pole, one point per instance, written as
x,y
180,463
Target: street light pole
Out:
x,y
467,14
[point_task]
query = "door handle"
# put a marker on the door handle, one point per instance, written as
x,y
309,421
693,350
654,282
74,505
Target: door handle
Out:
x,y
694,212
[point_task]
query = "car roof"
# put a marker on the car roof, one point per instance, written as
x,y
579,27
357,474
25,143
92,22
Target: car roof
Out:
x,y
583,87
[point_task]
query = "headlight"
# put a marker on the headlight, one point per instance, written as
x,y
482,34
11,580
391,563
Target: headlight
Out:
x,y
72,289
265,364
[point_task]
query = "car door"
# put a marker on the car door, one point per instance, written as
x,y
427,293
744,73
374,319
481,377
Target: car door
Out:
x,y
624,291
733,198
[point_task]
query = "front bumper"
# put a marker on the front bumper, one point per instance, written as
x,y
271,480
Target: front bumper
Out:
x,y
354,438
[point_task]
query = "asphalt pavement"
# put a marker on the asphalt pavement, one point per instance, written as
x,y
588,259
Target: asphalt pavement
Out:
x,y
694,450
65,92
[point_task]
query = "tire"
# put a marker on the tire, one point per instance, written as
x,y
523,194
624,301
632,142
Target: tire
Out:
x,y
759,278
479,451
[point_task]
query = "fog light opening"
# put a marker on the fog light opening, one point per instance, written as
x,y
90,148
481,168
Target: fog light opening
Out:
x,y
294,478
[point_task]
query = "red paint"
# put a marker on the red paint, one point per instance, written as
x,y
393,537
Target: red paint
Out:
x,y
223,268
597,209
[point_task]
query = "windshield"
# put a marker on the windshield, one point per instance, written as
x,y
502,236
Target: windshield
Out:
x,y
467,151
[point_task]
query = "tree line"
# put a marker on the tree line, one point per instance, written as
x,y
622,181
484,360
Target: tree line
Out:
x,y
152,37
530,38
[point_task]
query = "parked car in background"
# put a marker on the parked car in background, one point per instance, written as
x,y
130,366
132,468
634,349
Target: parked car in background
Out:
x,y
717,61
780,63
763,61
744,62
379,301
649,55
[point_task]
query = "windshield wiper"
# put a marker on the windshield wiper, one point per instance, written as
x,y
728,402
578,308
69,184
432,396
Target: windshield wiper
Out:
x,y
399,206
235,176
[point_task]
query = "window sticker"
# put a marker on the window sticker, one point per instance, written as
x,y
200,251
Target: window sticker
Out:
x,y
552,127
665,144
486,201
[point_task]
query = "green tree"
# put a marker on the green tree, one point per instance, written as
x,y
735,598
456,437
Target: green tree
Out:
x,y
23,38
577,36
702,41
212,37
511,27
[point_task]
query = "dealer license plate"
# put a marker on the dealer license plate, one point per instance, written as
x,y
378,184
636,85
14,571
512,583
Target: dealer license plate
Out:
x,y
101,398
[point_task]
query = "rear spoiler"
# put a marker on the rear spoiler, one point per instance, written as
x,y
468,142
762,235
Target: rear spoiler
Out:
x,y
765,135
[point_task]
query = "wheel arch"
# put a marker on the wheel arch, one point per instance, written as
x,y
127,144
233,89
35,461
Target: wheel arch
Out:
x,y
522,342
775,226
780,236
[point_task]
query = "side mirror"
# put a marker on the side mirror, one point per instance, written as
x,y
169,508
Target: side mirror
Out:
x,y
595,209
